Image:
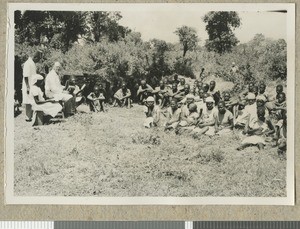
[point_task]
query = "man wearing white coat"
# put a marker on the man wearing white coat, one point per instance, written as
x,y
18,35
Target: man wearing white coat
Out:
x,y
29,70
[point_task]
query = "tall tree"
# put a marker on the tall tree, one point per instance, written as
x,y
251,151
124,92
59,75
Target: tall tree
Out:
x,y
220,26
187,37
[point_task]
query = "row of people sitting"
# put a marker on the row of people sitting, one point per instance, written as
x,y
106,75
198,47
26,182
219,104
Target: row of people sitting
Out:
x,y
251,116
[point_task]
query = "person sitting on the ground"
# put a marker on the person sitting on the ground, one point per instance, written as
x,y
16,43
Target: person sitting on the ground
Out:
x,y
281,133
49,107
261,102
223,119
159,94
175,79
257,130
255,90
182,95
123,96
54,90
185,108
243,95
230,103
262,90
194,90
181,84
241,116
192,117
206,121
96,99
249,112
173,116
75,91
279,89
214,92
174,92
144,91
152,113
234,68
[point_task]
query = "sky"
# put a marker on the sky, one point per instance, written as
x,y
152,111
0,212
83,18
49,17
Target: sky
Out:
x,y
162,24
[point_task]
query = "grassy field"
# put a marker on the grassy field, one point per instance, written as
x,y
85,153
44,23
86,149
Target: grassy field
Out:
x,y
112,154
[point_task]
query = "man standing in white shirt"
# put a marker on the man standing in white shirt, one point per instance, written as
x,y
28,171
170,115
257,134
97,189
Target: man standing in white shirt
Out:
x,y
54,89
29,70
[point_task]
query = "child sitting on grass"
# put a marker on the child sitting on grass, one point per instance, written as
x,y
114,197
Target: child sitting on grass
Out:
x,y
173,116
96,99
152,113
257,130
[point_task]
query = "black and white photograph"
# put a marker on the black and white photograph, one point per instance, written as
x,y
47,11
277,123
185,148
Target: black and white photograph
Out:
x,y
150,104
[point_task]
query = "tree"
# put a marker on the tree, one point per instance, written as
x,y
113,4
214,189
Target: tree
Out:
x,y
187,37
220,26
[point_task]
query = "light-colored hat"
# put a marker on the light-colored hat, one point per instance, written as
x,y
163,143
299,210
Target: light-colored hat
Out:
x,y
150,99
35,78
209,100
261,97
250,96
190,96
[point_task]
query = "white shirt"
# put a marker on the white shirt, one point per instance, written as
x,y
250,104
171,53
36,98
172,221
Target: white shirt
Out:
x,y
29,70
52,84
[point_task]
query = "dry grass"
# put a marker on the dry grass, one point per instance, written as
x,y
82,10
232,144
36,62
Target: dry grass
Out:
x,y
112,154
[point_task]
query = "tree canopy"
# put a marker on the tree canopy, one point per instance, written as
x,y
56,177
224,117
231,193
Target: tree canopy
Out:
x,y
187,37
220,26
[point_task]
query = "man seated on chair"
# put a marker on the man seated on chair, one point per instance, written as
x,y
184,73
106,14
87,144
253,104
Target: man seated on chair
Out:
x,y
54,90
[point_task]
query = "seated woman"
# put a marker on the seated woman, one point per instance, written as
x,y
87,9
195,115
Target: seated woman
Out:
x,y
173,116
257,130
223,119
152,113
96,99
48,107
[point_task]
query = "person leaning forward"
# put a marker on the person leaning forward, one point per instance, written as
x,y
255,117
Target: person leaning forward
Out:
x,y
54,89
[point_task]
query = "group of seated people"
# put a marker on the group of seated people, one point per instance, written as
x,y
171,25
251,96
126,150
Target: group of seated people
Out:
x,y
204,110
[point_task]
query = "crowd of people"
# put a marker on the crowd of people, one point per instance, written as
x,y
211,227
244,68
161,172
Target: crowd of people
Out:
x,y
196,109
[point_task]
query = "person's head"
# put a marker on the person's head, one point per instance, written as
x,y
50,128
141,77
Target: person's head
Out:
x,y
242,104
161,83
261,111
143,82
189,98
192,107
182,81
226,96
251,98
204,96
209,103
222,107
212,85
165,80
96,89
196,83
201,93
174,104
281,97
72,80
123,86
37,56
37,80
279,88
150,101
200,85
250,87
174,86
262,88
186,89
255,90
57,67
260,100
205,87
